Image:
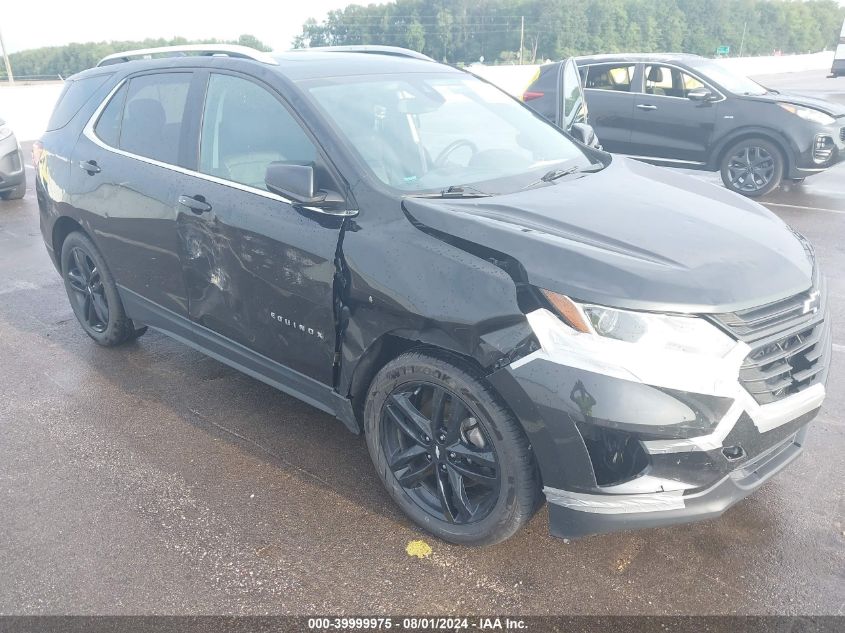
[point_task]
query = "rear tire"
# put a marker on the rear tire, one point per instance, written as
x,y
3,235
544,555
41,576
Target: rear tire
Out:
x,y
458,463
15,194
93,294
752,167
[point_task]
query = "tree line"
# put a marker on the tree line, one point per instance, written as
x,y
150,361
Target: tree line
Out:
x,y
463,31
63,61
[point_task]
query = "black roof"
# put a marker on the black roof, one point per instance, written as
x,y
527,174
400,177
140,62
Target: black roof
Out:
x,y
295,65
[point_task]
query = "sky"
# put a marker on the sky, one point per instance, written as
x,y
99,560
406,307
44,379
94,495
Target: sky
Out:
x,y
31,24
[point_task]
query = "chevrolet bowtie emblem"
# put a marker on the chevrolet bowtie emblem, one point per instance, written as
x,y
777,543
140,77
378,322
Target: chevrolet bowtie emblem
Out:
x,y
812,303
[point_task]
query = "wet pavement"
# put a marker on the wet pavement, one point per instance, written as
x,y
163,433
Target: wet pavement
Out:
x,y
151,479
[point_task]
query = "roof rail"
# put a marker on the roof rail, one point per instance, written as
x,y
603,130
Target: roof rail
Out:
x,y
228,50
396,51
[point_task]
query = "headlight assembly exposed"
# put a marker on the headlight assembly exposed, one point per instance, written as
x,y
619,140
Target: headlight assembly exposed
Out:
x,y
808,114
648,330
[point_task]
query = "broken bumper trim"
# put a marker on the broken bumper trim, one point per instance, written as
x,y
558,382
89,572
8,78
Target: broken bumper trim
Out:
x,y
575,515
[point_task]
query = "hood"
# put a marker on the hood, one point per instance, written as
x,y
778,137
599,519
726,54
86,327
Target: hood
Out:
x,y
634,236
829,107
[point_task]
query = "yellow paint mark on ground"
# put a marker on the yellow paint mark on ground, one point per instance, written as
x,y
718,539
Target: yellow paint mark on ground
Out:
x,y
418,548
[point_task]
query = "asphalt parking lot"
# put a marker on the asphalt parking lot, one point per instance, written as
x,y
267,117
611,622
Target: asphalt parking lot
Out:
x,y
152,479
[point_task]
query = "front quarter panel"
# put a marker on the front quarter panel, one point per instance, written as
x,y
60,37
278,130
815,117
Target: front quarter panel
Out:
x,y
404,283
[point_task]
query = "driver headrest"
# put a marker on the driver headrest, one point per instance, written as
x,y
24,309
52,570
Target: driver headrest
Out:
x,y
655,74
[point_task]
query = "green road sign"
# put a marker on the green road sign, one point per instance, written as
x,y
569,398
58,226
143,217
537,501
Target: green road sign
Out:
x,y
723,50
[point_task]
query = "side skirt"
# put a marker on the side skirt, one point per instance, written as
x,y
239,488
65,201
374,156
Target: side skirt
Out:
x,y
242,358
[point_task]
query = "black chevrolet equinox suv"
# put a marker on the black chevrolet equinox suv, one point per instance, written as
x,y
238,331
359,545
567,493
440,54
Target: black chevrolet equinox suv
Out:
x,y
507,315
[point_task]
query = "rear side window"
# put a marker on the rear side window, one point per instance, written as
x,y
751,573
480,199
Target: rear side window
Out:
x,y
152,116
74,95
609,77
244,129
108,125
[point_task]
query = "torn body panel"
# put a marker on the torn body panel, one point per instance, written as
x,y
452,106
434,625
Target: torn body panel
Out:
x,y
629,442
405,288
263,277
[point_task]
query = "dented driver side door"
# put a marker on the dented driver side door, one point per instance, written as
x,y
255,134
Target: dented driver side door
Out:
x,y
259,273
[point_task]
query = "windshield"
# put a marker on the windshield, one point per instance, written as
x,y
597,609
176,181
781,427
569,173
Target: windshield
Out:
x,y
421,132
729,80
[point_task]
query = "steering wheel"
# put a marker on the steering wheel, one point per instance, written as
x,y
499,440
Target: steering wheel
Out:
x,y
440,161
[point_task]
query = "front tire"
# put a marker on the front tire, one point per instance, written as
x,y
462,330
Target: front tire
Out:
x,y
449,453
93,294
752,167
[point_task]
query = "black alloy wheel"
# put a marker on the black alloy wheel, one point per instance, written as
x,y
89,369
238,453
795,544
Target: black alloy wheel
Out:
x,y
753,167
93,294
85,280
440,455
448,450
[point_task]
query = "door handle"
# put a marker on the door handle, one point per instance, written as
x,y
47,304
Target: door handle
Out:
x,y
90,166
197,204
646,106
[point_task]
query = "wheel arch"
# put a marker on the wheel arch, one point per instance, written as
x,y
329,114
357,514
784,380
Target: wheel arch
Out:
x,y
391,346
772,136
63,227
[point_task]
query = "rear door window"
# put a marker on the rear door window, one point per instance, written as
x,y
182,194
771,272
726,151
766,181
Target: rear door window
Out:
x,y
615,77
154,108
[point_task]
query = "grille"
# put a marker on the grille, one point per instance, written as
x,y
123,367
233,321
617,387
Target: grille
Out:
x,y
842,133
790,343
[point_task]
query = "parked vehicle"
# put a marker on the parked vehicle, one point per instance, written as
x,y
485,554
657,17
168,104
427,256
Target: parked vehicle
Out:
x,y
506,314
555,91
12,173
838,69
689,111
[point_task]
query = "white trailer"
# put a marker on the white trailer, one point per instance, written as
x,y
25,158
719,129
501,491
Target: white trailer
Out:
x,y
838,69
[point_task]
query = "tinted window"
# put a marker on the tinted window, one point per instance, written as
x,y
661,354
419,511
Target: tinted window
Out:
x,y
244,129
609,77
152,117
108,125
74,95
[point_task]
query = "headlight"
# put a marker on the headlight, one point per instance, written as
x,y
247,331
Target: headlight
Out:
x,y
5,132
808,114
648,330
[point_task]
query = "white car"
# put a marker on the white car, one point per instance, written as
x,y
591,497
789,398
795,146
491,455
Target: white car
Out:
x,y
12,174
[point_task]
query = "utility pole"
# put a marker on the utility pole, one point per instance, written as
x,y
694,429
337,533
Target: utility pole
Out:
x,y
6,59
521,38
742,42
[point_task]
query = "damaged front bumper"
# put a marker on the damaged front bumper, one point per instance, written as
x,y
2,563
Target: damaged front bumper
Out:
x,y
627,450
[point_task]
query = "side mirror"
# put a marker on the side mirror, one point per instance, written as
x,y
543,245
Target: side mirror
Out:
x,y
291,181
584,133
297,182
700,94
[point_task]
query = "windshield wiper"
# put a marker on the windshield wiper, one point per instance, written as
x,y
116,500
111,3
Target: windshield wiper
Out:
x,y
457,191
555,174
